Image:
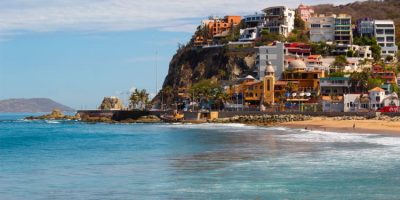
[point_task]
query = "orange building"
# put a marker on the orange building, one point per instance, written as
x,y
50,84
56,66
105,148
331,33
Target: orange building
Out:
x,y
221,27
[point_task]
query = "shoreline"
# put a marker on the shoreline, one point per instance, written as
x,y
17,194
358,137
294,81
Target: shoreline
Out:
x,y
367,126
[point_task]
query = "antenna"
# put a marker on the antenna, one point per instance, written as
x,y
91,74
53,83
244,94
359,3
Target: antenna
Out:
x,y
156,60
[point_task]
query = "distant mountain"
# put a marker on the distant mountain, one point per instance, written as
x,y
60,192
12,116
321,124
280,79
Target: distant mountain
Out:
x,y
31,105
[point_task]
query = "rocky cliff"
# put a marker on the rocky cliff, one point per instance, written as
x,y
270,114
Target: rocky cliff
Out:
x,y
190,65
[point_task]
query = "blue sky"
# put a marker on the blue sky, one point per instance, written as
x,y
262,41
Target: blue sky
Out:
x,y
78,51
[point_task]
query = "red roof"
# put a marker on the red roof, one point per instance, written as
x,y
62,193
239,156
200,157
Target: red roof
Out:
x,y
377,89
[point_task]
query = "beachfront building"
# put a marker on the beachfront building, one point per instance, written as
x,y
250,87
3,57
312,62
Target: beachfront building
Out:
x,y
322,28
337,86
274,54
385,34
376,96
279,19
305,12
356,102
332,104
365,27
343,30
308,80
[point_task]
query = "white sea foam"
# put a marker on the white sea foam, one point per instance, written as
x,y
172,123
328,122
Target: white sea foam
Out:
x,y
321,136
52,122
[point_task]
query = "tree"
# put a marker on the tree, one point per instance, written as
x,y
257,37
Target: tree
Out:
x,y
340,62
208,92
167,95
374,82
268,37
368,41
299,24
139,99
321,48
359,81
389,58
350,53
337,74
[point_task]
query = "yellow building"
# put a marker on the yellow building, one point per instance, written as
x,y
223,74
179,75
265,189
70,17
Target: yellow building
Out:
x,y
269,85
308,80
257,91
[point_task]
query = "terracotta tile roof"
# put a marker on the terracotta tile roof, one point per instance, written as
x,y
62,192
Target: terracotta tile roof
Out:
x,y
377,89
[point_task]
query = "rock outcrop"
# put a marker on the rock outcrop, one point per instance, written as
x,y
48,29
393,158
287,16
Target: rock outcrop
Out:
x,y
56,114
190,65
263,119
111,103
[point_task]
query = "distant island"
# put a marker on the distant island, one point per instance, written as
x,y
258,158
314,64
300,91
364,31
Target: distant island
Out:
x,y
31,105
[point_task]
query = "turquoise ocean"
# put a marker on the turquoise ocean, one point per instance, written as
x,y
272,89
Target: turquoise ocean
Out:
x,y
74,160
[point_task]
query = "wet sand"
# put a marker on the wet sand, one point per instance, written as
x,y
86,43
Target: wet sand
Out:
x,y
346,126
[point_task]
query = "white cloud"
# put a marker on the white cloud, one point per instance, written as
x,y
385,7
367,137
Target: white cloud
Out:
x,y
121,15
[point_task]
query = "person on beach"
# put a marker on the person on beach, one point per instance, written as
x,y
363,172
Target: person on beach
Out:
x,y
354,126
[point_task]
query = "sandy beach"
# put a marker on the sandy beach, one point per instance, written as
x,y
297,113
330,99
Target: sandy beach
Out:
x,y
346,126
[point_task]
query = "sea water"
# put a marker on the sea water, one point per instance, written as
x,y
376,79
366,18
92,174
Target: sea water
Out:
x,y
74,160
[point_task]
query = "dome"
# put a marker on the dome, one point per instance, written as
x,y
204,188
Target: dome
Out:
x,y
297,65
270,68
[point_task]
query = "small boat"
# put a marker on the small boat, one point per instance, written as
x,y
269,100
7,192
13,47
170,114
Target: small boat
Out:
x,y
176,117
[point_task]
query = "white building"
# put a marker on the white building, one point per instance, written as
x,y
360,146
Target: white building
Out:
x,y
385,34
322,28
334,86
365,52
391,100
279,20
355,102
249,34
376,96
255,20
275,55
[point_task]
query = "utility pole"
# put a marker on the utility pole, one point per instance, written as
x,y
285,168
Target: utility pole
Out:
x,y
156,72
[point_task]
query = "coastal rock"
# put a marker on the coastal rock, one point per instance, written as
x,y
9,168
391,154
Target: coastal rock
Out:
x,y
148,119
56,114
263,119
111,103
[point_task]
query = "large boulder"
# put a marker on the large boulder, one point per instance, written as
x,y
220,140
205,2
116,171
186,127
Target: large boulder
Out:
x,y
111,103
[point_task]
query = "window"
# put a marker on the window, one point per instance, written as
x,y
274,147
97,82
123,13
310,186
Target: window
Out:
x,y
389,31
315,25
379,31
390,39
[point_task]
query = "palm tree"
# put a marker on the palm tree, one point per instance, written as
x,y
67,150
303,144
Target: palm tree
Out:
x,y
139,99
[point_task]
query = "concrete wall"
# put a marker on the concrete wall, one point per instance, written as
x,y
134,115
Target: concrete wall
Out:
x,y
316,114
119,115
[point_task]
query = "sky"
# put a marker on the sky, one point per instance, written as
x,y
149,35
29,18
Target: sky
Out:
x,y
78,51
